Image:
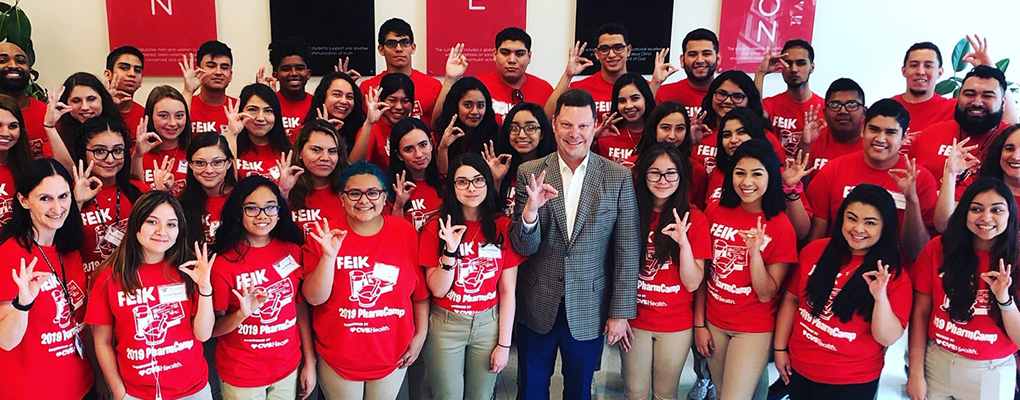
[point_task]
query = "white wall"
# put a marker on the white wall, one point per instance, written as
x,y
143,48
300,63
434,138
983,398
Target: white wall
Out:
x,y
863,39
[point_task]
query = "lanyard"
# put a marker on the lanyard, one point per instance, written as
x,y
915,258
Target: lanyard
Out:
x,y
62,279
981,149
116,217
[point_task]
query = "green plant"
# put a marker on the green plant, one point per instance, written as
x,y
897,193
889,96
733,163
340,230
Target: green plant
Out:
x,y
954,83
16,28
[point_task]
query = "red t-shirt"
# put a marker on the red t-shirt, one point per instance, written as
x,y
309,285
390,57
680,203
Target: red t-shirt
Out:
x,y
7,191
477,270
535,90
260,160
935,142
153,334
732,303
936,109
208,118
619,148
266,347
788,118
833,183
46,363
132,118
511,197
704,152
601,90
379,144
320,205
715,182
827,148
424,202
816,344
293,113
104,221
368,321
211,218
663,303
34,116
980,338
683,92
179,158
426,92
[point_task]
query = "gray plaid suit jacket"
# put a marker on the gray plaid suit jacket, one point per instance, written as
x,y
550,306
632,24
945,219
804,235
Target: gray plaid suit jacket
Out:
x,y
595,272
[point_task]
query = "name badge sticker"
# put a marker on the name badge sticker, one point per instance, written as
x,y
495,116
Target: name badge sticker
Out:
x,y
285,266
385,272
172,293
490,250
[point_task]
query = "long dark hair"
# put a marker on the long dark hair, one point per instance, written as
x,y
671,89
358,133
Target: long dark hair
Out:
x,y
68,125
70,236
650,136
277,135
665,248
959,259
305,184
773,200
746,85
401,129
546,142
355,118
168,92
639,82
855,297
751,123
487,211
231,234
194,195
20,154
990,165
100,124
487,130
127,257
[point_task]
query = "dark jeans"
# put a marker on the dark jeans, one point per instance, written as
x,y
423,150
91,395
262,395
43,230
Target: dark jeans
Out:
x,y
536,359
803,388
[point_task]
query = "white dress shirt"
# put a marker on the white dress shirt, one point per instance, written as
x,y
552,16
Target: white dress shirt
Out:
x,y
572,183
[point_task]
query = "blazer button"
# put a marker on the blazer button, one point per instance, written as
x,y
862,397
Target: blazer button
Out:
x,y
560,279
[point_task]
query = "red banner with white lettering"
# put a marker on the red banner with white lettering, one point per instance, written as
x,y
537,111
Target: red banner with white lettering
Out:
x,y
747,28
474,23
162,29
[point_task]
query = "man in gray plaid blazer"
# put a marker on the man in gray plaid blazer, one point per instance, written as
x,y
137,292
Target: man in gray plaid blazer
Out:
x,y
576,218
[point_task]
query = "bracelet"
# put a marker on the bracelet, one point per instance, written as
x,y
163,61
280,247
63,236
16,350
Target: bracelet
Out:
x,y
21,307
50,126
700,327
446,267
454,254
203,295
1009,305
786,350
505,347
793,196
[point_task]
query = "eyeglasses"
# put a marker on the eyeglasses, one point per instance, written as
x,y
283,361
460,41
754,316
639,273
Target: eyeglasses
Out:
x,y
653,177
254,211
722,95
616,48
517,97
102,153
392,43
355,195
851,105
216,164
529,129
462,183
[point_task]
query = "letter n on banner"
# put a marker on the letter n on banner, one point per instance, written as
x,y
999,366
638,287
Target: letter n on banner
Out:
x,y
747,28
162,29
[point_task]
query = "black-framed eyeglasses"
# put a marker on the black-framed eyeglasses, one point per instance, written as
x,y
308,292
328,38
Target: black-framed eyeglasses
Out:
x,y
516,97
216,163
722,95
254,211
616,48
529,129
462,183
850,106
101,153
653,177
392,43
355,195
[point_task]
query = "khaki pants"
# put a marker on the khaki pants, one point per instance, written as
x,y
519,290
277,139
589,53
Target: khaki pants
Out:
x,y
284,389
336,388
654,362
458,353
738,361
952,376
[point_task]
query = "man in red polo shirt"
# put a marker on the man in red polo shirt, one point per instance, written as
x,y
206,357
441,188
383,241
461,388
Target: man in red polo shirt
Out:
x,y
289,59
124,67
977,116
838,132
700,60
511,83
14,77
786,110
216,62
612,51
396,45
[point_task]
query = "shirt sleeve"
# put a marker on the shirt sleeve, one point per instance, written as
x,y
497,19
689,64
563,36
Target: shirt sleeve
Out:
x,y
819,193
783,247
221,285
901,297
927,196
428,245
700,237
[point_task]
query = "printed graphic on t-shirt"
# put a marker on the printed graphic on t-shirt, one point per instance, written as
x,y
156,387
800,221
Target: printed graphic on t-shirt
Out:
x,y
652,267
151,322
367,285
980,307
708,154
473,271
249,168
108,238
419,213
278,294
6,204
63,317
788,136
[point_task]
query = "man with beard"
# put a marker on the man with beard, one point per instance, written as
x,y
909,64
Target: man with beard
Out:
x,y
700,59
787,110
123,76
214,73
838,132
977,118
289,59
14,77
612,51
396,45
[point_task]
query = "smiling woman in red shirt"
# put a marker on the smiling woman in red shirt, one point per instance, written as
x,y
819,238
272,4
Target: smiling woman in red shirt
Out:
x,y
633,102
338,100
322,154
526,135
255,132
417,189
210,179
162,137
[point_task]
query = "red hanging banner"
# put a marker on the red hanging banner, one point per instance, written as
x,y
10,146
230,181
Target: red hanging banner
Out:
x,y
474,23
162,29
747,28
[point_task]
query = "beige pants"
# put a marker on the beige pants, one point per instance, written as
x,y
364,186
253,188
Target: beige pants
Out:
x,y
335,387
458,353
952,376
738,361
654,363
284,389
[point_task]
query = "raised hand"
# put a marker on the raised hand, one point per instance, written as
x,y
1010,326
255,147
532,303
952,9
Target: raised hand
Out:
x,y
145,141
83,181
906,179
329,239
199,269
699,129
960,158
235,118
268,80
663,69
978,56
375,107
451,134
119,96
796,169
813,125
607,128
192,76
55,108
878,280
456,63
324,115
754,238
498,164
250,298
539,192
163,173
451,234
678,229
772,62
403,189
999,281
29,281
289,173
575,63
341,66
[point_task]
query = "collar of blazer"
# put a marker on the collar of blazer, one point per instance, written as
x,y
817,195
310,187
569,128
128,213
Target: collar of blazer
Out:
x,y
594,178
